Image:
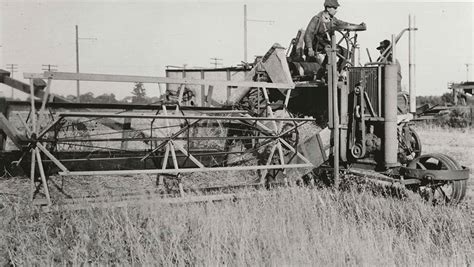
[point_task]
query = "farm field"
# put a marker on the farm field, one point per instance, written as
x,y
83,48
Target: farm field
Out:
x,y
286,226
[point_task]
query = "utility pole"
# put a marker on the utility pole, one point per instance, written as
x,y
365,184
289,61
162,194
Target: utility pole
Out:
x,y
245,29
78,91
77,62
12,68
245,33
467,71
49,67
216,62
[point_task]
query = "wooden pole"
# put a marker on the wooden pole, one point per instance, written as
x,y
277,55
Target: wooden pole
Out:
x,y
43,176
188,170
33,108
32,175
245,33
78,91
94,77
244,117
269,161
52,158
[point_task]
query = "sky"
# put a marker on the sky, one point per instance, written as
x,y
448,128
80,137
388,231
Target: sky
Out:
x,y
142,37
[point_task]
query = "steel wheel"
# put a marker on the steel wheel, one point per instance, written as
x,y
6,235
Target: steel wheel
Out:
x,y
440,192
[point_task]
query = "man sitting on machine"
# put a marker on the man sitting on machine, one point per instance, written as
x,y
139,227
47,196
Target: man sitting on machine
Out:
x,y
317,35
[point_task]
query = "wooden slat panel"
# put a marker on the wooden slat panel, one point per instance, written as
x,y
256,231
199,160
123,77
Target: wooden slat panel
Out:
x,y
150,116
148,79
11,131
190,170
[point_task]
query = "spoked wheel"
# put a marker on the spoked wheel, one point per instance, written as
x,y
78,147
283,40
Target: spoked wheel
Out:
x,y
75,131
209,128
347,44
344,52
440,192
291,134
254,102
343,48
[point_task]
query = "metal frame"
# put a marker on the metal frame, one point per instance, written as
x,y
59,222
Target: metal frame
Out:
x,y
272,135
436,175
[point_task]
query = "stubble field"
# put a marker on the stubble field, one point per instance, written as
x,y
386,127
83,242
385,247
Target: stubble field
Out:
x,y
286,226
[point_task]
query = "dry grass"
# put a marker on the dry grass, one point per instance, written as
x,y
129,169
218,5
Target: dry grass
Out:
x,y
457,143
292,226
287,226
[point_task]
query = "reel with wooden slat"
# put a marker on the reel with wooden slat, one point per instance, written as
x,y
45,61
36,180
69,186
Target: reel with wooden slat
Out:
x,y
163,139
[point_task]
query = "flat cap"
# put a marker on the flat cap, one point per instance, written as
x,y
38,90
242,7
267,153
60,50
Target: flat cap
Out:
x,y
333,3
383,44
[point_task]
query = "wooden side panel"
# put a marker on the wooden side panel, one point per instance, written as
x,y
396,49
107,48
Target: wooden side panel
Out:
x,y
316,148
11,131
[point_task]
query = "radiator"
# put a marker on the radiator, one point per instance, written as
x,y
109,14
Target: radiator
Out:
x,y
370,74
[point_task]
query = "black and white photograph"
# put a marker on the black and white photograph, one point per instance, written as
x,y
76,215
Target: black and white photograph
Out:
x,y
236,133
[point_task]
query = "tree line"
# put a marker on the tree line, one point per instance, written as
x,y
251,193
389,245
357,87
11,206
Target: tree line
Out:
x,y
138,96
445,99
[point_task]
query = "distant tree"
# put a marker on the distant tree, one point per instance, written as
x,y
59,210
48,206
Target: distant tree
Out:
x,y
447,98
106,98
431,100
71,98
434,100
139,94
87,97
127,100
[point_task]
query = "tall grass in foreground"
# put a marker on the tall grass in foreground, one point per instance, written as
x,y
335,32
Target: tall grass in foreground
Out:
x,y
296,226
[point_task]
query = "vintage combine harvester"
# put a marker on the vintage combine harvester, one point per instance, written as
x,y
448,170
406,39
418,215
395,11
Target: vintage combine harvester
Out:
x,y
247,118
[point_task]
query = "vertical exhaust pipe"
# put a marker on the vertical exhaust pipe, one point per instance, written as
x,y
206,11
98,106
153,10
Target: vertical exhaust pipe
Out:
x,y
335,109
390,111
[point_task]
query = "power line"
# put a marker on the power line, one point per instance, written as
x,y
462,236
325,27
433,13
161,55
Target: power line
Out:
x,y
176,67
246,20
13,68
49,67
216,62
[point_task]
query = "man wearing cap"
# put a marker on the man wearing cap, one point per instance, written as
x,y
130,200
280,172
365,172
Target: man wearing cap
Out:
x,y
387,58
317,36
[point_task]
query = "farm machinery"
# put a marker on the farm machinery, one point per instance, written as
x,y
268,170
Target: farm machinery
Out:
x,y
283,118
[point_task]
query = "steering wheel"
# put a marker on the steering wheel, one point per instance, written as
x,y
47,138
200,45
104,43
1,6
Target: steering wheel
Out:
x,y
346,44
343,45
352,27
